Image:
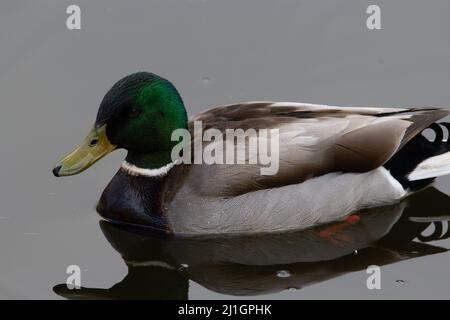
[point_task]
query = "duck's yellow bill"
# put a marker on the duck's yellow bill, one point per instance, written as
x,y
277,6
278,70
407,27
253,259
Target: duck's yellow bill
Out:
x,y
94,147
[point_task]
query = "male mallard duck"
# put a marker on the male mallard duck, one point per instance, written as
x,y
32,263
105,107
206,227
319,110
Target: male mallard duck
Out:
x,y
333,161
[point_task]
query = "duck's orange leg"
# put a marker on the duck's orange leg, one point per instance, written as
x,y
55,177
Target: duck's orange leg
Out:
x,y
331,233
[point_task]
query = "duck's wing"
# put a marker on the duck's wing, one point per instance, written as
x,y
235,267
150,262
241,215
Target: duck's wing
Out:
x,y
313,140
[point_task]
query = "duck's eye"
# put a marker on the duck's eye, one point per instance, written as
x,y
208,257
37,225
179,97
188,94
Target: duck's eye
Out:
x,y
93,142
133,112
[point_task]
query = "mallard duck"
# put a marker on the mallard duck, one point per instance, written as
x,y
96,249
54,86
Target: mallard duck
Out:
x,y
333,161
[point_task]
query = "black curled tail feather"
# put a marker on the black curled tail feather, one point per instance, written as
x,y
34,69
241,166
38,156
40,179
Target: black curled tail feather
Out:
x,y
417,150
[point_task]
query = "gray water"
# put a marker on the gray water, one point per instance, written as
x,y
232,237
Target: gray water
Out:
x,y
215,52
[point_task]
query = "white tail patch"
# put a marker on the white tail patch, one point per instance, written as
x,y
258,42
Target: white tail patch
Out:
x,y
431,168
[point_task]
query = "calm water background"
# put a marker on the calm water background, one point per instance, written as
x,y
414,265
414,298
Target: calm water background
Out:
x,y
215,52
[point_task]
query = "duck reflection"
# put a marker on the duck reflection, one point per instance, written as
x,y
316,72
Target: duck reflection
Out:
x,y
160,267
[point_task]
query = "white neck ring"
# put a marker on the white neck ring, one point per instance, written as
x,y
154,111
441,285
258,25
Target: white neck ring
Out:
x,y
133,170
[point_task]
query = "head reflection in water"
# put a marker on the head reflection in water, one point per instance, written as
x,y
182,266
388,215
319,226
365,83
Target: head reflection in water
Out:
x,y
160,268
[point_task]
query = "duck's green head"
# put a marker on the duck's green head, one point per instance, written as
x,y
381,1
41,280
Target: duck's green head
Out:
x,y
139,114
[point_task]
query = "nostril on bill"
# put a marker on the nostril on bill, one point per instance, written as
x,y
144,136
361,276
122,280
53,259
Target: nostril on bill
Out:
x,y
56,170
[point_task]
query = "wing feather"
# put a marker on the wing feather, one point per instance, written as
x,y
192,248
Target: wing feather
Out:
x,y
313,140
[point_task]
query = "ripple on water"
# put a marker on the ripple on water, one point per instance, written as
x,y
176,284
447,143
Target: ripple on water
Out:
x,y
283,274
